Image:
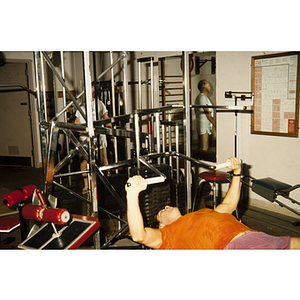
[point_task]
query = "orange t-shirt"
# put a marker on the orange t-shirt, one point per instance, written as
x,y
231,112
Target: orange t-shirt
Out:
x,y
203,229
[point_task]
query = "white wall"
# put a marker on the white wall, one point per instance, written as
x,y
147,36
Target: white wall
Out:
x,y
268,156
27,56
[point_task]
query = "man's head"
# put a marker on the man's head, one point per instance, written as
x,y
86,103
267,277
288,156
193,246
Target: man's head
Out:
x,y
204,86
167,216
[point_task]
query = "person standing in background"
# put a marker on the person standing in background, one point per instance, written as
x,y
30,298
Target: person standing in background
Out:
x,y
103,114
204,116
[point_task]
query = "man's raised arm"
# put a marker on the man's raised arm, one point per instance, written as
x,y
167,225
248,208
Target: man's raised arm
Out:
x,y
232,197
144,235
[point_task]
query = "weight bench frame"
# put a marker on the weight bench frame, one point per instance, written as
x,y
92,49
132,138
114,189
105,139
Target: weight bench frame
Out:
x,y
270,189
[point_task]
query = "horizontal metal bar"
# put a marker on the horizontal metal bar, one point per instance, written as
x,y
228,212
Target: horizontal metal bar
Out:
x,y
173,82
71,174
125,118
232,109
24,88
159,109
172,101
119,132
141,112
239,92
62,125
151,156
169,123
122,163
145,59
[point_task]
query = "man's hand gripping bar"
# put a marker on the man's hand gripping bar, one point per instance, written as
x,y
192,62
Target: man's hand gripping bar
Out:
x,y
223,165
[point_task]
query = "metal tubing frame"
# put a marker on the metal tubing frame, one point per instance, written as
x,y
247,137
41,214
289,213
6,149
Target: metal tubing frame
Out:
x,y
49,62
93,129
139,86
157,120
65,104
163,141
93,197
41,103
187,128
113,106
170,143
49,156
150,156
137,138
177,150
147,59
125,95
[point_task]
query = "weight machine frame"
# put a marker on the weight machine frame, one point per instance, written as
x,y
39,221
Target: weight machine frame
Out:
x,y
49,131
49,138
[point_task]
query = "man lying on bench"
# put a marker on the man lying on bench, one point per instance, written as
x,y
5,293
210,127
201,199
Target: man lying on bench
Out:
x,y
204,229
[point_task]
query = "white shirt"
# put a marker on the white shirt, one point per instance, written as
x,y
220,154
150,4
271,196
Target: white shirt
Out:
x,y
203,124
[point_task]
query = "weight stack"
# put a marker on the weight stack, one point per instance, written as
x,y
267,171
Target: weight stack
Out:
x,y
156,196
181,201
65,199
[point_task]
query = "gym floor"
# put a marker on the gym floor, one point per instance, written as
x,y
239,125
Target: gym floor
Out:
x,y
12,178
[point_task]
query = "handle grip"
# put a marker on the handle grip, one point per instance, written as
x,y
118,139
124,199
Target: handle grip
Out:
x,y
157,179
224,165
152,180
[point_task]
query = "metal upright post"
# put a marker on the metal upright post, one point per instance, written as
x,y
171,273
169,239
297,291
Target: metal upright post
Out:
x,y
177,163
42,108
187,128
145,60
113,105
177,151
152,98
140,98
163,141
137,138
90,126
170,143
157,136
125,99
65,113
139,85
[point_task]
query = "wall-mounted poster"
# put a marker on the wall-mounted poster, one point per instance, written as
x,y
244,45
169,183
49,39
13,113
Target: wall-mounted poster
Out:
x,y
275,83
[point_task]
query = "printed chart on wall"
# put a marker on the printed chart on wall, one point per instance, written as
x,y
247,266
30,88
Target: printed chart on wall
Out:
x,y
276,101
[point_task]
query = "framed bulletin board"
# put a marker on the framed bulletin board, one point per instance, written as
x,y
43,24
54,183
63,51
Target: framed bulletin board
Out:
x,y
275,84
